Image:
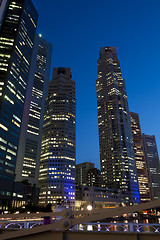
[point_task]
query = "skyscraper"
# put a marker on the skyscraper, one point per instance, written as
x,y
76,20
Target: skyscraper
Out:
x,y
153,165
143,182
28,157
17,32
118,166
57,163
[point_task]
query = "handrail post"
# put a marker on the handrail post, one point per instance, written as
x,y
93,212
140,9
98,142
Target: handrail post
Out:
x,y
131,227
26,224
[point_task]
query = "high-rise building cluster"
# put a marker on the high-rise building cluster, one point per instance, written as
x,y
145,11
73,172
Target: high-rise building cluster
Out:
x,y
129,160
34,154
38,127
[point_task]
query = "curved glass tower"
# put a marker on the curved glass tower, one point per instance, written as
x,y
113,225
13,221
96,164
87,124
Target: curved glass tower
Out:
x,y
18,21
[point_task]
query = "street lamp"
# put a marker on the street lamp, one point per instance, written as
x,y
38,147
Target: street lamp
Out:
x,y
89,207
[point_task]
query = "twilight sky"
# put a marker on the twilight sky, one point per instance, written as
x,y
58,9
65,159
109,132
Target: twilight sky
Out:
x,y
77,30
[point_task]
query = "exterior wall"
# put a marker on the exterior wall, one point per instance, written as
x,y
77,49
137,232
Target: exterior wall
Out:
x,y
81,205
153,165
97,197
142,173
118,166
57,164
17,37
28,158
94,177
24,193
81,172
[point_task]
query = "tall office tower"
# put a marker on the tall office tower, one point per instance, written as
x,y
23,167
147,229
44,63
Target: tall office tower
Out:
x,y
28,157
57,163
118,167
153,165
81,172
17,32
143,182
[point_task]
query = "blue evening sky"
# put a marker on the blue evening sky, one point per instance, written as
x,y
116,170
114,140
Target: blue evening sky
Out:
x,y
77,30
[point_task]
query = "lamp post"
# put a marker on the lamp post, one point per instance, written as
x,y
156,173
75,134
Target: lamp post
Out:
x,y
89,207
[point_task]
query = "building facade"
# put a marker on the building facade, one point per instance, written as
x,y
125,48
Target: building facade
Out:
x,y
82,171
57,163
94,177
153,165
142,173
98,197
17,32
29,150
24,194
118,167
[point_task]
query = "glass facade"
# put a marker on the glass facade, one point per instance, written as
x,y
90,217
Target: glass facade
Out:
x,y
144,189
153,165
28,157
16,43
57,163
118,167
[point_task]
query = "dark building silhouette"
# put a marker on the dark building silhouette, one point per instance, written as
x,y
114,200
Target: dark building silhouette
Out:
x,y
17,32
82,171
118,166
25,193
153,166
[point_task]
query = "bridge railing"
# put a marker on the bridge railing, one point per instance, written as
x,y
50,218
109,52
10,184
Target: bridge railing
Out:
x,y
68,219
118,227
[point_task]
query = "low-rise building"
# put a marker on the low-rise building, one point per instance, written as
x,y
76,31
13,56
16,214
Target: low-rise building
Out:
x,y
25,193
97,197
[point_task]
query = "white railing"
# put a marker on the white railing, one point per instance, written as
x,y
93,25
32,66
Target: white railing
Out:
x,y
118,227
12,224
